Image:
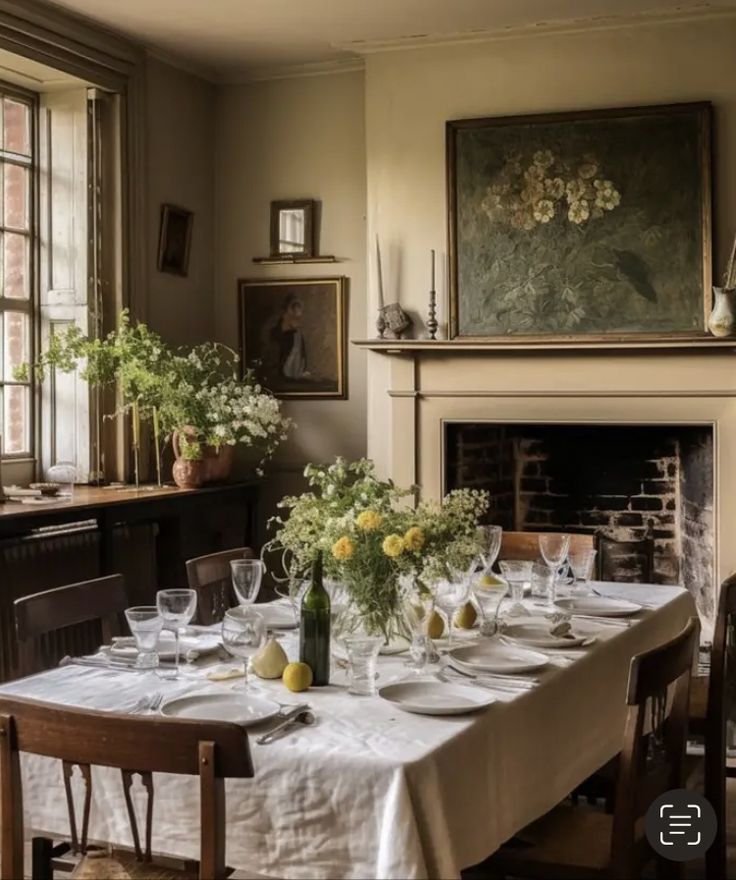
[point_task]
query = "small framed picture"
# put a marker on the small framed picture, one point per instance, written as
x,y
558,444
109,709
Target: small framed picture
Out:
x,y
292,333
175,239
292,228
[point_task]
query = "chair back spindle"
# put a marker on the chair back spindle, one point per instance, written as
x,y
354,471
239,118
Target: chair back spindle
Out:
x,y
210,577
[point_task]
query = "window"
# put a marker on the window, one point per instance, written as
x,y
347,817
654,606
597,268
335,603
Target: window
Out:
x,y
17,168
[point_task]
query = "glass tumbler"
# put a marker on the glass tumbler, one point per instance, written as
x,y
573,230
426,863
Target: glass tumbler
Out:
x,y
145,624
543,583
362,661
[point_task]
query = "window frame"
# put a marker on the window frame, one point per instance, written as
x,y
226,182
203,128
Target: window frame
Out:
x,y
28,306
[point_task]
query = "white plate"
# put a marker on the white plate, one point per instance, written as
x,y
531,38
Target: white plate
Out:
x,y
241,708
276,615
537,633
493,655
598,606
435,697
125,648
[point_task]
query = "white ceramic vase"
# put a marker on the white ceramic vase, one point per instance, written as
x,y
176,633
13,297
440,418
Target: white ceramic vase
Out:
x,y
722,320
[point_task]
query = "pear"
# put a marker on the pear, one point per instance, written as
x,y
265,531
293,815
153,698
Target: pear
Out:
x,y
436,626
271,660
491,580
466,616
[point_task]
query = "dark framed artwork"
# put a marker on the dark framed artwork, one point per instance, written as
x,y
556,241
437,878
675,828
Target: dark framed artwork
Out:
x,y
292,333
175,240
292,228
593,225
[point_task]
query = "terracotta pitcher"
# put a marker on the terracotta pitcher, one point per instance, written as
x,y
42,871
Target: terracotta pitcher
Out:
x,y
188,473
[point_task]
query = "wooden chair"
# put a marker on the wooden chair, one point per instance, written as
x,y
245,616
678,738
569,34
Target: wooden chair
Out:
x,y
210,577
44,619
213,751
709,704
525,545
574,843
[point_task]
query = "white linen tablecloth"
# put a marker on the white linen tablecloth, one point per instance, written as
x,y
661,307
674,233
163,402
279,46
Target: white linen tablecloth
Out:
x,y
371,791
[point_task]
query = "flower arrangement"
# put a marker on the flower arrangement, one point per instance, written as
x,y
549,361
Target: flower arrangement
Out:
x,y
196,391
370,536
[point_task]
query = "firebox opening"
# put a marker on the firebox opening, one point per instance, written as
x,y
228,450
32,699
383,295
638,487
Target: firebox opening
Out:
x,y
645,490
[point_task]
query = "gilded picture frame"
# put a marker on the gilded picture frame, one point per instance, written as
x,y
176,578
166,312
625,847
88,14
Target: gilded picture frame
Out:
x,y
293,335
592,226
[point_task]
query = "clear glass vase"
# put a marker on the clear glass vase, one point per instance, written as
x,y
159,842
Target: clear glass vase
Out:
x,y
352,621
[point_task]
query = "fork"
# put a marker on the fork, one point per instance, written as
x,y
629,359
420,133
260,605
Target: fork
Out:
x,y
147,704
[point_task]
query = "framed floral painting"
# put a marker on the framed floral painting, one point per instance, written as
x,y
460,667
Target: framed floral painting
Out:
x,y
593,225
292,333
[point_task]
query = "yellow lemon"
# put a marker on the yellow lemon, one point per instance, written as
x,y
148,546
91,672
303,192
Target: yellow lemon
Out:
x,y
436,626
297,677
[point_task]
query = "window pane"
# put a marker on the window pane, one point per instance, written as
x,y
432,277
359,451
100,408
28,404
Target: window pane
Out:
x,y
15,191
15,281
15,342
17,118
16,424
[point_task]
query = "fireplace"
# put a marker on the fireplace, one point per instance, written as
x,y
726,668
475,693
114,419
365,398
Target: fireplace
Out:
x,y
646,491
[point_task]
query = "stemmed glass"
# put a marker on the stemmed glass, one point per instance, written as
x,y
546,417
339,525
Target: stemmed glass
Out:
x,y
581,563
490,538
145,624
450,594
554,547
177,608
247,575
243,633
518,572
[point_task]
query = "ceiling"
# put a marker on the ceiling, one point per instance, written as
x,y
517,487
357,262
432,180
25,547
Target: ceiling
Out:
x,y
235,40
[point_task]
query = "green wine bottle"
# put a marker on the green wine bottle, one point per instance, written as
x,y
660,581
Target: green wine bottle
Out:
x,y
314,629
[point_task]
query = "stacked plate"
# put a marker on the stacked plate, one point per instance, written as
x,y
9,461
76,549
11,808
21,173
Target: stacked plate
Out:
x,y
241,708
497,656
436,697
205,643
542,633
276,615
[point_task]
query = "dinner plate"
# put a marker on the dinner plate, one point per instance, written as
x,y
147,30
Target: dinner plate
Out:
x,y
276,615
125,648
435,697
241,708
598,606
494,655
537,634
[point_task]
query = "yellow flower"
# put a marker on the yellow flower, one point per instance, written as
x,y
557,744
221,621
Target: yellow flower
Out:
x,y
414,539
343,548
369,520
393,545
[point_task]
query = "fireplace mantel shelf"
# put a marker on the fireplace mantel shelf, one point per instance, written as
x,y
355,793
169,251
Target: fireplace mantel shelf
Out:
x,y
461,346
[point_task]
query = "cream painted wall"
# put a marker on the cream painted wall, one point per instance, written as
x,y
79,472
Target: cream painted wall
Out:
x,y
410,95
296,138
180,142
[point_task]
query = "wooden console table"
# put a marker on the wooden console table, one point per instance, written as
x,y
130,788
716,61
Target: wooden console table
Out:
x,y
146,534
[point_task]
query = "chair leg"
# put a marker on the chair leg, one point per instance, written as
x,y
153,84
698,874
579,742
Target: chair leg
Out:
x,y
715,793
42,852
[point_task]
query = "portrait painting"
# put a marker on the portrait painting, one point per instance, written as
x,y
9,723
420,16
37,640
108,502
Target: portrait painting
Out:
x,y
593,224
293,335
175,238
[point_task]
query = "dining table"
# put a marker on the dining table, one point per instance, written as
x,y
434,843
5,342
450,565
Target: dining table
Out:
x,y
370,790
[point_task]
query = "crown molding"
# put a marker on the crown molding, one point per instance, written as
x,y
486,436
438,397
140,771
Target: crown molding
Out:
x,y
185,65
674,15
296,71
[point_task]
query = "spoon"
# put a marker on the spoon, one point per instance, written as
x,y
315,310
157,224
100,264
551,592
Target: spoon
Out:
x,y
304,717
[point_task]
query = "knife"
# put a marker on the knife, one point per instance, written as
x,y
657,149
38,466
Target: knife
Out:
x,y
288,719
118,665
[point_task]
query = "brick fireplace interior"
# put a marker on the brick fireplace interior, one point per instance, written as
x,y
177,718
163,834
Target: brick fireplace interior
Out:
x,y
645,490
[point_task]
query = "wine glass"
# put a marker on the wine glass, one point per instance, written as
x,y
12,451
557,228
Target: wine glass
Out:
x,y
450,594
518,572
243,633
247,575
177,608
145,624
581,563
490,538
554,547
488,597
